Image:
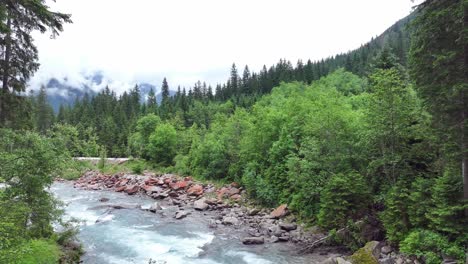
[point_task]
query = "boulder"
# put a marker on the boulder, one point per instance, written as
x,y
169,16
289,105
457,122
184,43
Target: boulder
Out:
x,y
222,192
132,189
160,195
195,190
288,227
178,185
253,240
274,239
340,260
386,250
253,211
233,191
211,201
180,214
236,197
200,204
369,254
229,220
104,199
279,212
149,189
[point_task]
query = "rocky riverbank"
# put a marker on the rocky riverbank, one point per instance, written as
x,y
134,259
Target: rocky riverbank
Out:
x,y
225,206
227,210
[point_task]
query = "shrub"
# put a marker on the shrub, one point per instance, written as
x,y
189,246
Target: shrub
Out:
x,y
431,247
40,252
344,197
395,217
162,144
137,167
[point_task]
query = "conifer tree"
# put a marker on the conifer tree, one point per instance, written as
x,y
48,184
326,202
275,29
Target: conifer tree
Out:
x,y
19,55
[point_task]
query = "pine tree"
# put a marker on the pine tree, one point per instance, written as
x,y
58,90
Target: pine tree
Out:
x,y
234,80
18,59
45,113
439,66
151,102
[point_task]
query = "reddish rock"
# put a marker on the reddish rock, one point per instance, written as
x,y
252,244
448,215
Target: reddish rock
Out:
x,y
233,191
120,188
236,197
132,189
279,212
235,185
151,181
211,201
188,178
123,182
167,180
178,185
161,182
195,190
222,192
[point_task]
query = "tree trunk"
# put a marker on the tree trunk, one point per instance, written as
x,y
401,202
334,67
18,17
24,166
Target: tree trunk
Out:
x,y
6,71
464,111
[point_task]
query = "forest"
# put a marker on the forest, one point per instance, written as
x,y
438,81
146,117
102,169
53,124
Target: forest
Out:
x,y
377,134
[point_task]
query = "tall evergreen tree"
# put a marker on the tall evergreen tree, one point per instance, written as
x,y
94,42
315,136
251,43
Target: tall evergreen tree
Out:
x,y
18,54
439,67
44,112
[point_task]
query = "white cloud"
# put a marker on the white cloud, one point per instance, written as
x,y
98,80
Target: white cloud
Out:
x,y
187,40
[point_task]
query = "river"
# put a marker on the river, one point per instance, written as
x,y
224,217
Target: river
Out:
x,y
136,236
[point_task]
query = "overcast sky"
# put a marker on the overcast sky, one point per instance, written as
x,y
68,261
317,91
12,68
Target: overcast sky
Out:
x,y
190,40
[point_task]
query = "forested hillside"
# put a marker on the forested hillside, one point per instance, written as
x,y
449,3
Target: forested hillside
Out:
x,y
374,136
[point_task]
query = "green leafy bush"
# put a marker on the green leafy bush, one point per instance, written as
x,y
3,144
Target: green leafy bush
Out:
x,y
395,216
431,246
40,252
345,196
162,144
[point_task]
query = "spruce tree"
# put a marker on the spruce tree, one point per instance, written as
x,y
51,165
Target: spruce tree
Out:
x,y
439,65
18,59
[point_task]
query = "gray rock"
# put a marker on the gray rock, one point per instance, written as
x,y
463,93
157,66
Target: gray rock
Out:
x,y
275,230
253,240
274,239
200,204
386,250
180,214
288,227
340,260
229,220
387,261
253,211
329,261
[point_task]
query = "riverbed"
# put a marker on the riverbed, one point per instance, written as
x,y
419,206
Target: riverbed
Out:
x,y
133,235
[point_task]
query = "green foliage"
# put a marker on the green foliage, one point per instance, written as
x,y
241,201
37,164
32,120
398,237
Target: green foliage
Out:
x,y
431,247
395,216
29,164
40,252
345,197
137,167
447,215
162,144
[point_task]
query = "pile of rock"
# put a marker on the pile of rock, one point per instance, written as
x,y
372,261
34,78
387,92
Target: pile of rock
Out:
x,y
223,204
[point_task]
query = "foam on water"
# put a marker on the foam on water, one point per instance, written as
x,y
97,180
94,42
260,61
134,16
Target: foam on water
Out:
x,y
248,257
